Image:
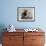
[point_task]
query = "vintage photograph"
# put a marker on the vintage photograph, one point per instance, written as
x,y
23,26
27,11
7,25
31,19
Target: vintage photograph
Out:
x,y
26,14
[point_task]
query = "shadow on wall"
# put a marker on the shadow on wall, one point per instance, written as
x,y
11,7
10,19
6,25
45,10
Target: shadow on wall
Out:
x,y
2,27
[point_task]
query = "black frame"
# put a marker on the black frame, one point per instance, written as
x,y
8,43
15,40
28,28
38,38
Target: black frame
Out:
x,y
22,20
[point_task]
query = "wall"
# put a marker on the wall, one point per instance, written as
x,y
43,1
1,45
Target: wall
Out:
x,y
9,13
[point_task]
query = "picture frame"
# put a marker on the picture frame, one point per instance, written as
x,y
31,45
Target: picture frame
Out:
x,y
26,14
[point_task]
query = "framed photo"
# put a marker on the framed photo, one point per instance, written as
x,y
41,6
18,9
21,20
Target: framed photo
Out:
x,y
26,14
